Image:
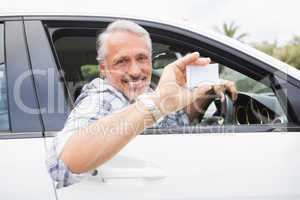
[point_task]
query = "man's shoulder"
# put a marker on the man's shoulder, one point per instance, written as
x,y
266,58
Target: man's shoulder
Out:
x,y
96,85
99,91
91,90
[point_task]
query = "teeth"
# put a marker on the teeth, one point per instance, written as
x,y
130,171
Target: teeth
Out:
x,y
135,83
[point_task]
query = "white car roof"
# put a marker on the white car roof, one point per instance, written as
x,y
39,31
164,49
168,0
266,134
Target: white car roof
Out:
x,y
279,65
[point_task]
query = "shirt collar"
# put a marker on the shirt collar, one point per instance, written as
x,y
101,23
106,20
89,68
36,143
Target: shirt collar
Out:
x,y
100,85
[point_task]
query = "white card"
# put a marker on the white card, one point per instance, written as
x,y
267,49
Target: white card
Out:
x,y
202,74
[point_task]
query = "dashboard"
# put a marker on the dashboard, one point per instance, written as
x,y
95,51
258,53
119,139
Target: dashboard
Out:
x,y
258,109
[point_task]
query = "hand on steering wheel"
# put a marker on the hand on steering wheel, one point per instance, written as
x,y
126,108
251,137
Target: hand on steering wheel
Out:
x,y
226,110
224,95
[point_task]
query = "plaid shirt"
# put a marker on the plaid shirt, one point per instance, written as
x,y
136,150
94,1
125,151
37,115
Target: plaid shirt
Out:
x,y
96,100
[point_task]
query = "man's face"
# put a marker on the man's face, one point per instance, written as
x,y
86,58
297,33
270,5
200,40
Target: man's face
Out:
x,y
127,64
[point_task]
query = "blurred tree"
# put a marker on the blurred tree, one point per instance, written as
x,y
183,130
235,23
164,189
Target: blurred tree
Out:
x,y
288,53
295,40
89,72
266,47
231,30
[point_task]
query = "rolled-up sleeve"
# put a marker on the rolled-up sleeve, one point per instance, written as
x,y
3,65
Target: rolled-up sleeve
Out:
x,y
87,110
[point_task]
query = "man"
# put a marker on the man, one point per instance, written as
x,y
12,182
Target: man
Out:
x,y
109,113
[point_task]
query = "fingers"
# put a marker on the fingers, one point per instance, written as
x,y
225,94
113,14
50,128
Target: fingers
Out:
x,y
202,61
231,89
202,90
228,86
219,90
181,63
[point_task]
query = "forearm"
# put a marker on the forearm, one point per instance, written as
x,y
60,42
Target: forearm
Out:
x,y
91,146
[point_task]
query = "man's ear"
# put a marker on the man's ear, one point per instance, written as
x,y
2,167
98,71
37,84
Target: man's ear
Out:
x,y
102,69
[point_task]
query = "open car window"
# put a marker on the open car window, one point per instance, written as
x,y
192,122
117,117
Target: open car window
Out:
x,y
257,102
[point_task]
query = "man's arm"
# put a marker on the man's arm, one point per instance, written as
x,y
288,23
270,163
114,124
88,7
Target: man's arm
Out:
x,y
91,146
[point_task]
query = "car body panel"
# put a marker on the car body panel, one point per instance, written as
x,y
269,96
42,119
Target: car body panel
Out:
x,y
199,166
23,171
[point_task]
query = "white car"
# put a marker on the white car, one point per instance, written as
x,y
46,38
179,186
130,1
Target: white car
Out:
x,y
246,150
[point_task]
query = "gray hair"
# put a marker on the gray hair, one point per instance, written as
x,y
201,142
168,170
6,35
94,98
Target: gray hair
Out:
x,y
119,26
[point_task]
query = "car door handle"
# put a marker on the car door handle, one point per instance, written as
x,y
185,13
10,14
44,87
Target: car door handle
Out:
x,y
148,173
122,167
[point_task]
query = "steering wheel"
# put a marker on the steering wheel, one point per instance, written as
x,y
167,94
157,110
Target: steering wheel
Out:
x,y
224,114
225,110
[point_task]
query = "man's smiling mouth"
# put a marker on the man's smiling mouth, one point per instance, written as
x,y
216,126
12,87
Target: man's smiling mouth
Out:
x,y
135,84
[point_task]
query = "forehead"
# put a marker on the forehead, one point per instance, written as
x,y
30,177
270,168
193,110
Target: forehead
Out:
x,y
126,42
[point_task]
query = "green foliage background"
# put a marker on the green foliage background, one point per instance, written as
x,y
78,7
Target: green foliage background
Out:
x,y
288,53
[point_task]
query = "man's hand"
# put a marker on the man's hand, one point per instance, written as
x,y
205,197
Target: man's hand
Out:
x,y
225,86
171,92
199,106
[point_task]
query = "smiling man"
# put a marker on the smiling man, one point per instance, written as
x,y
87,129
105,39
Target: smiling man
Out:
x,y
110,112
127,66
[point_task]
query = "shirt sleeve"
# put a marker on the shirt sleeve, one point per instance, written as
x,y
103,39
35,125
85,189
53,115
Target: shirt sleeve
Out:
x,y
87,110
178,118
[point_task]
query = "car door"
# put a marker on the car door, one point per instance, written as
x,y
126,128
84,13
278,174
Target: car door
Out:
x,y
255,160
22,170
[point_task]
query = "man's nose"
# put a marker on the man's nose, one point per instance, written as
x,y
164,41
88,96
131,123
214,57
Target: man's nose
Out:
x,y
134,69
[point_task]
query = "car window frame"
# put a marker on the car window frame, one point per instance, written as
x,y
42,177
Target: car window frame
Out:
x,y
202,43
53,106
21,123
2,29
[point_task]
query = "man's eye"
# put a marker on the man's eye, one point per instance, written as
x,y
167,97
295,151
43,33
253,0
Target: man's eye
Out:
x,y
142,58
120,62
